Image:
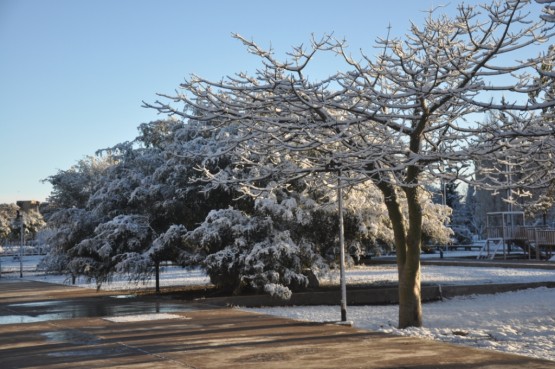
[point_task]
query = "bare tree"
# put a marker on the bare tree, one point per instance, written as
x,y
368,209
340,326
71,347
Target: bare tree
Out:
x,y
395,119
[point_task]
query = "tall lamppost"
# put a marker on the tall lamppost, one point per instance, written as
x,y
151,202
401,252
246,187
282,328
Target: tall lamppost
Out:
x,y
334,166
20,221
342,249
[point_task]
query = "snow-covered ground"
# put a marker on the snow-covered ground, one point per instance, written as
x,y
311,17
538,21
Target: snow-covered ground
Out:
x,y
442,275
518,322
170,276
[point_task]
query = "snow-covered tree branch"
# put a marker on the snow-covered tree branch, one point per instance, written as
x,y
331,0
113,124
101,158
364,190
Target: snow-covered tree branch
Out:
x,y
394,119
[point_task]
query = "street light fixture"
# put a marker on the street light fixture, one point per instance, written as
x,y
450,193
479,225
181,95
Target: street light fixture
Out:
x,y
334,166
20,221
342,249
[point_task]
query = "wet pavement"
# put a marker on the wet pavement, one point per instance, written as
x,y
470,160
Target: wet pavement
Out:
x,y
78,328
90,305
105,306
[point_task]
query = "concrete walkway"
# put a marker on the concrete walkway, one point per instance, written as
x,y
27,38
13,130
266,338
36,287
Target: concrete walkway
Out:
x,y
200,336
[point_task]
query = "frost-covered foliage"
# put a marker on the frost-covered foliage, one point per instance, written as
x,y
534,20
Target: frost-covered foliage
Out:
x,y
254,252
435,219
152,192
66,228
366,203
155,181
538,157
69,221
169,243
74,186
130,213
10,225
271,248
8,212
33,221
115,247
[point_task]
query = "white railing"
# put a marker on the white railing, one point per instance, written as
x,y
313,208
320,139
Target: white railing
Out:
x,y
29,248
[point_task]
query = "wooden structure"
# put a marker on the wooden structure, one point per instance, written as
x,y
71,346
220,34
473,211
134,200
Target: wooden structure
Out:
x,y
507,231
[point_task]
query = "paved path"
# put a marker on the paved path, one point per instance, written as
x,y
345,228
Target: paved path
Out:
x,y
201,336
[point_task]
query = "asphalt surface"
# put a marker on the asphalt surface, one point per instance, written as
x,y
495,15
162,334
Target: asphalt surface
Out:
x,y
51,326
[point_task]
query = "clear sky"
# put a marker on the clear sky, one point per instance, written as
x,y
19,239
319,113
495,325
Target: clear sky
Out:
x,y
74,73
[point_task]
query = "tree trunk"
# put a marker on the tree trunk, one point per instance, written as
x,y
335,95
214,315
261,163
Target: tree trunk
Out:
x,y
410,305
407,243
157,271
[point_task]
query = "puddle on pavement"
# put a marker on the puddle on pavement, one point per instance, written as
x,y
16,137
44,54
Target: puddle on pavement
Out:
x,y
72,336
18,319
34,312
37,304
71,353
78,344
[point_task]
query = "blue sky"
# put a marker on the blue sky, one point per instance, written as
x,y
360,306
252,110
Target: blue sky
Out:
x,y
73,74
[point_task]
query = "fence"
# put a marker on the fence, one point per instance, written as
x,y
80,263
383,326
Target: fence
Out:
x,y
29,248
508,232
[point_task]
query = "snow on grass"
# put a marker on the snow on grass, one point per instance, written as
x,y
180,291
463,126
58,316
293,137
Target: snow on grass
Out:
x,y
432,274
169,277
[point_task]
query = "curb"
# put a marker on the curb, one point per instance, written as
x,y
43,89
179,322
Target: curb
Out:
x,y
369,295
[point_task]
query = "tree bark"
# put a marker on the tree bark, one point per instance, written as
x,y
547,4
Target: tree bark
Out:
x,y
410,306
407,243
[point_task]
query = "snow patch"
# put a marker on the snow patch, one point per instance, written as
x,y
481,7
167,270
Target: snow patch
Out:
x,y
143,317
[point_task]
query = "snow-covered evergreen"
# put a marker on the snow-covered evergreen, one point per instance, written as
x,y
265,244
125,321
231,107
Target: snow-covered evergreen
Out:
x,y
8,213
152,193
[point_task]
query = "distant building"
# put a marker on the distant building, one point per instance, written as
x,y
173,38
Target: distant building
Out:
x,y
28,205
497,201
